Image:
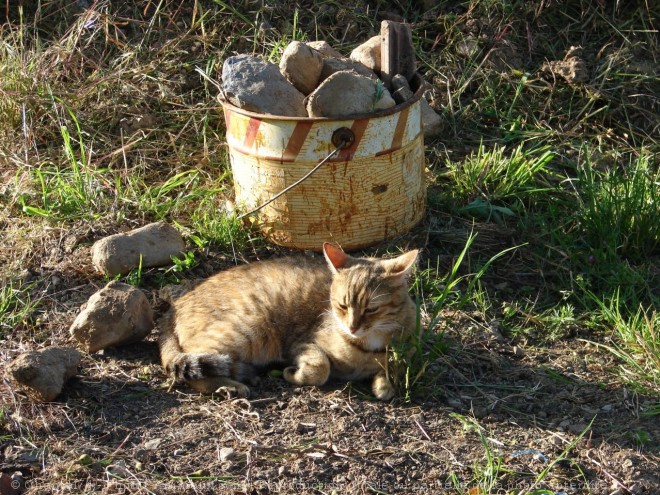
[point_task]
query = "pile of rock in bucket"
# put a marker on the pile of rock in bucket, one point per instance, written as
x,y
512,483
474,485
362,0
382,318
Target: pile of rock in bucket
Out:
x,y
315,80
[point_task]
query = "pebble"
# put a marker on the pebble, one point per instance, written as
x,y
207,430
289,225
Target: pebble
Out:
x,y
227,454
368,53
302,66
258,86
42,374
154,244
324,48
117,314
347,93
332,65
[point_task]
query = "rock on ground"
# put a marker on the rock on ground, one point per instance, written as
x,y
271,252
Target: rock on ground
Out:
x,y
332,65
347,93
368,54
324,48
431,121
302,66
120,253
258,86
117,314
572,70
42,374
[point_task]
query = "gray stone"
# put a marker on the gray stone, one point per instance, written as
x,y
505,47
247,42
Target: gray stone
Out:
x,y
368,54
431,121
258,86
332,65
571,69
120,253
401,89
42,374
397,51
347,93
117,314
227,454
302,66
324,48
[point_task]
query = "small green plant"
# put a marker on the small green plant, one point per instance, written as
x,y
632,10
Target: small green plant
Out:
x,y
636,343
492,182
134,278
380,91
17,307
180,265
620,208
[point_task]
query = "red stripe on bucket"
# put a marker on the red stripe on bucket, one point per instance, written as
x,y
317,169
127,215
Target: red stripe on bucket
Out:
x,y
400,129
358,128
227,117
251,133
296,141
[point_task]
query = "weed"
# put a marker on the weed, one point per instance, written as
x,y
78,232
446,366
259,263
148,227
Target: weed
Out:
x,y
636,341
492,182
620,210
17,307
134,278
179,266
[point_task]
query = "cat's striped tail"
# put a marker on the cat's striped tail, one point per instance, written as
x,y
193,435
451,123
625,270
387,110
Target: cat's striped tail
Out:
x,y
190,367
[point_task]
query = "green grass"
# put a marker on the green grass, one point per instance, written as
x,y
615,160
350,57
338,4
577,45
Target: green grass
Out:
x,y
109,123
17,308
495,182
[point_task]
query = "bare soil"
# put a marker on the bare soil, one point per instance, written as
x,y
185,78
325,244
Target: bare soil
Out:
x,y
119,428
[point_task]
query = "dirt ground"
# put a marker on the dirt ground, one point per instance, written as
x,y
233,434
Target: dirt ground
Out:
x,y
119,428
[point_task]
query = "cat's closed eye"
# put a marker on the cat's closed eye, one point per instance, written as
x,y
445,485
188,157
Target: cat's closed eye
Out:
x,y
371,309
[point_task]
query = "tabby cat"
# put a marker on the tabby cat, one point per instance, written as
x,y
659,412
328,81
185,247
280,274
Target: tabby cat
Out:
x,y
324,320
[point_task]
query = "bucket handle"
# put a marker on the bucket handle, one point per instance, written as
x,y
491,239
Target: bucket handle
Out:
x,y
342,138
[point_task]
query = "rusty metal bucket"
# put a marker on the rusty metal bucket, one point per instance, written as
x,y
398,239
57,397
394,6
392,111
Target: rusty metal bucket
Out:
x,y
371,190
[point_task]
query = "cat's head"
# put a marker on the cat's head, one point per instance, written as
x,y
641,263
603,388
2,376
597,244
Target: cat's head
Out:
x,y
369,297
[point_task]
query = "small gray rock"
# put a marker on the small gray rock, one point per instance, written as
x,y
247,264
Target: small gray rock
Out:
x,y
368,54
332,65
258,86
117,314
227,454
301,65
120,253
431,121
42,374
347,93
153,444
401,89
324,48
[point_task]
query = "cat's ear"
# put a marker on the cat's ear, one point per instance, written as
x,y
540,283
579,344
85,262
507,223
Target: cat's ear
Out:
x,y
335,257
400,267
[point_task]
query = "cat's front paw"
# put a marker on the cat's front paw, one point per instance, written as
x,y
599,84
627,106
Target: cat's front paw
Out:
x,y
292,375
382,388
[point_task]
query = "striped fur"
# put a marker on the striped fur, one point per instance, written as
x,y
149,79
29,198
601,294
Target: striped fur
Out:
x,y
323,319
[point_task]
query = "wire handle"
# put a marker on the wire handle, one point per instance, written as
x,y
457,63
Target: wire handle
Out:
x,y
341,138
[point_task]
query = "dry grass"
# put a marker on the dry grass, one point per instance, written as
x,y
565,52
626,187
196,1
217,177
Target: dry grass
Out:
x,y
107,124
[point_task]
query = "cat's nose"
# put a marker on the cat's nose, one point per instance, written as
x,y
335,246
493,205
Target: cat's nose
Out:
x,y
353,329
